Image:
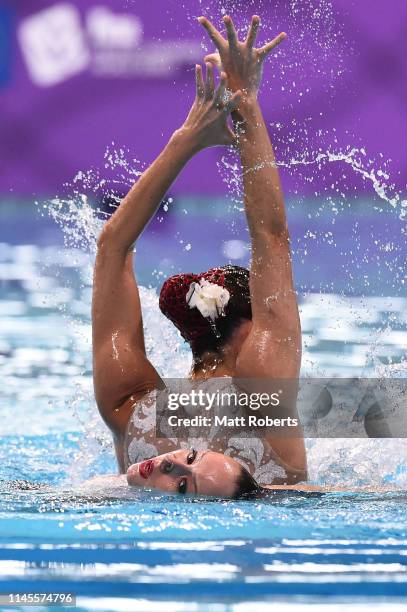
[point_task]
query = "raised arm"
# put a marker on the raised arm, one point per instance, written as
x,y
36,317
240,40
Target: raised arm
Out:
x,y
276,334
276,327
121,369
272,349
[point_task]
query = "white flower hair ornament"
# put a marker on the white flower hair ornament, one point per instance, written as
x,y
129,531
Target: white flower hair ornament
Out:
x,y
210,299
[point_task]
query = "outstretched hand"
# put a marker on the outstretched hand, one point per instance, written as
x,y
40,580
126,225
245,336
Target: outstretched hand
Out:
x,y
207,122
242,63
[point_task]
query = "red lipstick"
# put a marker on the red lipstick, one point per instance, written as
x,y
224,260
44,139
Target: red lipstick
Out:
x,y
146,468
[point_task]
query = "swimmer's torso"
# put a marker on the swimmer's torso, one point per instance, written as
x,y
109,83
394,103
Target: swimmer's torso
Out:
x,y
141,443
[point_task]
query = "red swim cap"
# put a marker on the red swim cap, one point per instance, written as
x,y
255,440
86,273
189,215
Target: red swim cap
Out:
x,y
190,321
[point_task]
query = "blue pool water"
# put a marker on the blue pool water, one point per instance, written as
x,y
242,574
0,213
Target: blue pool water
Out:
x,y
297,550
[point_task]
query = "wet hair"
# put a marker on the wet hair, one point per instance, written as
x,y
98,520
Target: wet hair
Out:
x,y
246,486
203,335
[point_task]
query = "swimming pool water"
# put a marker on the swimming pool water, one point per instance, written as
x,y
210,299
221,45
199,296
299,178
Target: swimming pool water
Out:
x,y
155,548
340,548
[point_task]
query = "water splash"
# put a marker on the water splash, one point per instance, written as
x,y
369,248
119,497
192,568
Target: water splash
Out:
x,y
355,158
360,164
77,219
93,196
358,463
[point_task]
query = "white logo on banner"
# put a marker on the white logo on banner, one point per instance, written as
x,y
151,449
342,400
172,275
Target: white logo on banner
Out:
x,y
53,44
107,29
57,45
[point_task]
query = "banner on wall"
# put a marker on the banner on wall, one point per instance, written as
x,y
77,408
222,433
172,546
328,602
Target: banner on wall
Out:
x,y
80,76
59,42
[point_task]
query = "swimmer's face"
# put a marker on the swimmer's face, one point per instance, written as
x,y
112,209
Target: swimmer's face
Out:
x,y
187,471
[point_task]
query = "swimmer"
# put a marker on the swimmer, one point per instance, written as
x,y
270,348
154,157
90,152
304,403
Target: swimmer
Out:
x,y
240,324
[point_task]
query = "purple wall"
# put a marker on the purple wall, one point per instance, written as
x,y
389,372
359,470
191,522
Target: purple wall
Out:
x,y
79,77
